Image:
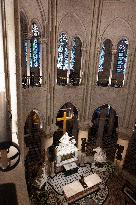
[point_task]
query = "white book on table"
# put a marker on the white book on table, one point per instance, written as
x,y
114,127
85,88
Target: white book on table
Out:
x,y
76,187
92,180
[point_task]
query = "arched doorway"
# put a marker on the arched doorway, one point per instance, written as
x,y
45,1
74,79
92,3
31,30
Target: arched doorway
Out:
x,y
103,131
71,122
33,134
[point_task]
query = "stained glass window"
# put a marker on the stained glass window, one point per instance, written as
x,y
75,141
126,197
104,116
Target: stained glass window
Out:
x,y
101,59
62,62
75,61
35,47
25,51
73,55
105,63
122,56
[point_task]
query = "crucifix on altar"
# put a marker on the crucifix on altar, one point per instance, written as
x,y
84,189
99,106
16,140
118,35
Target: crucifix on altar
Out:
x,y
64,119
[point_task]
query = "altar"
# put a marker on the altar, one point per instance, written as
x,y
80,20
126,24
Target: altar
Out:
x,y
66,152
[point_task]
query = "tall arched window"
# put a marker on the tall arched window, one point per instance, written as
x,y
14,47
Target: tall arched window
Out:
x,y
75,61
35,47
24,33
69,61
62,61
35,78
120,62
101,59
105,63
122,56
63,53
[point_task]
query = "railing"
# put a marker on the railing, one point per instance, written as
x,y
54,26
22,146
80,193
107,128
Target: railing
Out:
x,y
75,81
114,83
31,81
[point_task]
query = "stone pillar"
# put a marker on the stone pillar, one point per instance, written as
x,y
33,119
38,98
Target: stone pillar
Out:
x,y
52,22
48,143
43,61
123,140
91,58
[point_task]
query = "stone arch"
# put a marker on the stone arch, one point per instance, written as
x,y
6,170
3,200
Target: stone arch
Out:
x,y
24,16
39,25
43,16
124,29
71,124
72,20
23,40
62,104
34,146
41,116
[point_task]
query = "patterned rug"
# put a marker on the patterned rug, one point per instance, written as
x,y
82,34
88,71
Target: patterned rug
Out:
x,y
60,180
55,185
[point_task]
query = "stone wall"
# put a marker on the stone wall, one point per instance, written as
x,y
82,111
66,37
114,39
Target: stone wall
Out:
x,y
78,18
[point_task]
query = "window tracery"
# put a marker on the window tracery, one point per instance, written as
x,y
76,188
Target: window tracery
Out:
x,y
69,61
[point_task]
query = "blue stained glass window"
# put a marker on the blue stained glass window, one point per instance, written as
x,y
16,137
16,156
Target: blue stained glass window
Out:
x,y
122,56
35,47
62,62
101,59
76,54
25,51
73,55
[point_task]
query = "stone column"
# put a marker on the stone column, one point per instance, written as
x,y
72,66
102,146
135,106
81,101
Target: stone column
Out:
x,y
48,142
129,114
112,71
52,20
43,62
123,140
11,55
92,57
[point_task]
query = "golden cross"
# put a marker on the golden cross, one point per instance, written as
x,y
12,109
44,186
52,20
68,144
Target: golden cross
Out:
x,y
64,118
